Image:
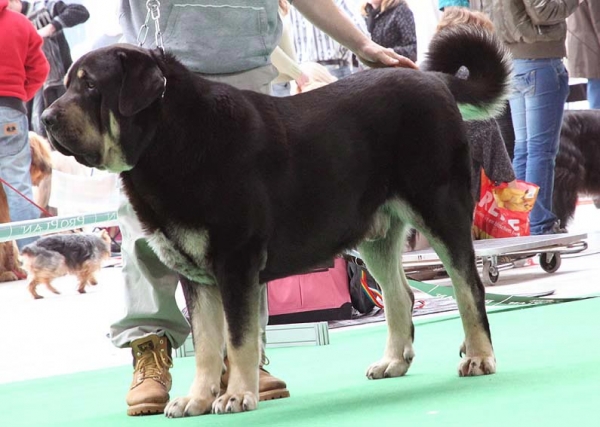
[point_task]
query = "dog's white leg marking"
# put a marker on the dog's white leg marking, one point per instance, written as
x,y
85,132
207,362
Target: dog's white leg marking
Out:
x,y
382,258
208,331
242,388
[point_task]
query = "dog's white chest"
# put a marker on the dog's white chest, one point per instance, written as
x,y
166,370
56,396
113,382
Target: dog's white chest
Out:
x,y
185,253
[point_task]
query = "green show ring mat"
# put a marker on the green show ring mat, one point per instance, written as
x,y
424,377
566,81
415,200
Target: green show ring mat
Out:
x,y
548,375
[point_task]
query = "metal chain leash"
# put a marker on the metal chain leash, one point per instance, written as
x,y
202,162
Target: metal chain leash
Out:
x,y
153,7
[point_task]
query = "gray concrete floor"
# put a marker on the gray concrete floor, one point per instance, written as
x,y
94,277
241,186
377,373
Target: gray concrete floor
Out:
x,y
67,333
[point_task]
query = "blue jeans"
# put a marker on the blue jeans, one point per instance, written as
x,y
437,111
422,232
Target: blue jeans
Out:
x,y
593,93
15,161
541,87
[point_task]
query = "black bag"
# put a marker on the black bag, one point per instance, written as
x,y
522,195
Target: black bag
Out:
x,y
365,292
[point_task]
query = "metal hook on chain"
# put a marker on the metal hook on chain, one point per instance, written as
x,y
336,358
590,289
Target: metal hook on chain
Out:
x,y
153,7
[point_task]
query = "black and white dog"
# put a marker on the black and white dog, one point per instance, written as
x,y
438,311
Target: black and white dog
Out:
x,y
577,169
236,188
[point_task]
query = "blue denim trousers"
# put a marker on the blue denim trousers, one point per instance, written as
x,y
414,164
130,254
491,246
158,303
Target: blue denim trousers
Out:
x,y
593,93
15,161
540,89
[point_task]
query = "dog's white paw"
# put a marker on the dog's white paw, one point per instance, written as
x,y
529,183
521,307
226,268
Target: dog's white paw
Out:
x,y
391,367
474,366
188,407
237,402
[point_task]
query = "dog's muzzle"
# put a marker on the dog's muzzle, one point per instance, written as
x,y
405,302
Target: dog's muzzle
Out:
x,y
51,120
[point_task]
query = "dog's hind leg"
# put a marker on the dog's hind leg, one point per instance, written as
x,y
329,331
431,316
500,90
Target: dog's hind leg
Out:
x,y
382,258
82,277
205,308
32,289
447,225
51,288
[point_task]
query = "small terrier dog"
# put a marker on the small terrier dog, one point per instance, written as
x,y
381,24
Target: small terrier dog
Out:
x,y
80,254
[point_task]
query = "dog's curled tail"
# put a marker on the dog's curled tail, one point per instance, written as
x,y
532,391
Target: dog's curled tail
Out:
x,y
482,94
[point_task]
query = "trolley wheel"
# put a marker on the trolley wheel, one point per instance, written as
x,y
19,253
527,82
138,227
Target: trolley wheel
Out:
x,y
490,273
550,262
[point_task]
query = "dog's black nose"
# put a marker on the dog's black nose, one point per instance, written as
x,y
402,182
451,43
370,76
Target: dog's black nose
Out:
x,y
49,119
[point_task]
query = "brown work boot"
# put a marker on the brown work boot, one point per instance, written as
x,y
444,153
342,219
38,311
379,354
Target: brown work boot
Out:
x,y
149,392
269,387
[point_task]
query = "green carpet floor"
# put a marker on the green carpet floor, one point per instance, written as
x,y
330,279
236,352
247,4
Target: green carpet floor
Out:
x,y
548,375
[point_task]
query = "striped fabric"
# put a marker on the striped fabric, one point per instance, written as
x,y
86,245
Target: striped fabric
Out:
x,y
312,45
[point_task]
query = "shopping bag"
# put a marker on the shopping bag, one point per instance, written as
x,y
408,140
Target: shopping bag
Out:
x,y
503,211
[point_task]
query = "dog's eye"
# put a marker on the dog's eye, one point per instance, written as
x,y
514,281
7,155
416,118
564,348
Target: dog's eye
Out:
x,y
90,84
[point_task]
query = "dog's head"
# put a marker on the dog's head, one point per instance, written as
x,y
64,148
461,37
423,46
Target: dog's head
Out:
x,y
110,109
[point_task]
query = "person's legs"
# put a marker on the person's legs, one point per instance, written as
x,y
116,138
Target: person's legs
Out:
x,y
15,161
547,83
152,323
517,109
149,301
593,93
545,111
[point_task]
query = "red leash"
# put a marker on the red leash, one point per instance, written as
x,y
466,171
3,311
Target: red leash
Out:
x,y
44,211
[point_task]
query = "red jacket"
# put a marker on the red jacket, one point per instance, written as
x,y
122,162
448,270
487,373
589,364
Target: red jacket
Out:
x,y
23,66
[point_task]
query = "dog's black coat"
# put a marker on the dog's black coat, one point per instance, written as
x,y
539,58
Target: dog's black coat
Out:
x,y
577,169
244,188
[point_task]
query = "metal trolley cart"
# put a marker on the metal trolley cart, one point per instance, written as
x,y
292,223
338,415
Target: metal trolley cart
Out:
x,y
494,255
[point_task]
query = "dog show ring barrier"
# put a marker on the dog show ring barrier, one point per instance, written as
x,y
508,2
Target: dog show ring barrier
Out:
x,y
37,227
278,335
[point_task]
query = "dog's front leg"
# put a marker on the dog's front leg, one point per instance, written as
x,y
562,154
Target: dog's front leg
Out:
x,y
243,352
206,314
240,290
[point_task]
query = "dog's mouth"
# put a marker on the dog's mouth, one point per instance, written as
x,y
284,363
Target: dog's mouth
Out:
x,y
92,160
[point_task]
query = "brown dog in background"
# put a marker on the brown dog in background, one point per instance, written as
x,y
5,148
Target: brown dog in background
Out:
x,y
10,268
40,170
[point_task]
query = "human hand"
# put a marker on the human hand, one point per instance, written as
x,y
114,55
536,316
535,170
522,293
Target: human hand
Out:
x,y
302,81
47,31
377,56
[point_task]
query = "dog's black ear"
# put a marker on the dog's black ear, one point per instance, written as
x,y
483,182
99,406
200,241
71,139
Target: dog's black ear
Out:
x,y
143,82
